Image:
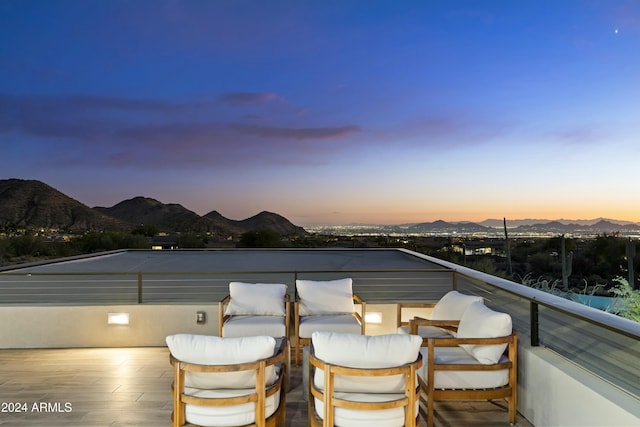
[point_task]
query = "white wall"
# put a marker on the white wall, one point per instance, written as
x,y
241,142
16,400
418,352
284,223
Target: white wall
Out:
x,y
86,326
553,391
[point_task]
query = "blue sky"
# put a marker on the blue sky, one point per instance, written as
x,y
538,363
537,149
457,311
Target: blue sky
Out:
x,y
328,112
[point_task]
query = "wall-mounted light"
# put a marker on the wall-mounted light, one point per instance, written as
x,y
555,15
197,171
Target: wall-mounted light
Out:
x,y
117,318
373,317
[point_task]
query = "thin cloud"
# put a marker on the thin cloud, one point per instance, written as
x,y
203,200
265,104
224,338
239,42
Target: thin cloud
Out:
x,y
124,104
252,117
79,103
296,133
249,98
84,117
578,136
138,133
443,131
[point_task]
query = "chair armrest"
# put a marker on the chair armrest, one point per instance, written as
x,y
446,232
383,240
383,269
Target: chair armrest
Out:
x,y
282,352
451,325
454,342
221,316
360,316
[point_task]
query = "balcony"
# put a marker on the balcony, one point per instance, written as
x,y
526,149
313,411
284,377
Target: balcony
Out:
x,y
578,366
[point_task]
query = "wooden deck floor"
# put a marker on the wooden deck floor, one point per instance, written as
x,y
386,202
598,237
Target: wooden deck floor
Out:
x,y
131,387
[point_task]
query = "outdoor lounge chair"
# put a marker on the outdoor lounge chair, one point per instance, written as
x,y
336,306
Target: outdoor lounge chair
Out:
x,y
450,307
325,306
254,309
361,381
480,363
228,381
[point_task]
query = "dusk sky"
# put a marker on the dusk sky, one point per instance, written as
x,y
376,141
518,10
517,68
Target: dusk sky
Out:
x,y
328,112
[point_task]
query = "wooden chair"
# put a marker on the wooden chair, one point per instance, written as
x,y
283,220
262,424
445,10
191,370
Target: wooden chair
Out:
x,y
363,380
450,307
325,306
469,368
254,309
247,393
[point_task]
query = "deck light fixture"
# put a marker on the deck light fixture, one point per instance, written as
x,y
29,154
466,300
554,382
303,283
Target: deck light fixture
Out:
x,y
117,318
373,317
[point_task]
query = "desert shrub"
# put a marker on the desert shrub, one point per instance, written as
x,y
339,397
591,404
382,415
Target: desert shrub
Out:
x,y
628,304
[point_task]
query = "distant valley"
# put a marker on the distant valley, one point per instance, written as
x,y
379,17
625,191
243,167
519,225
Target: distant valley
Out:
x,y
490,228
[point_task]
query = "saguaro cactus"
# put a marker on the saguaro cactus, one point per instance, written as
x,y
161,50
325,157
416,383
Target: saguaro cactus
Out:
x,y
567,265
508,246
631,253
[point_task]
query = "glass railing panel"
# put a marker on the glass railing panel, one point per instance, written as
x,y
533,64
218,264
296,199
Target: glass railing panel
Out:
x,y
610,355
593,344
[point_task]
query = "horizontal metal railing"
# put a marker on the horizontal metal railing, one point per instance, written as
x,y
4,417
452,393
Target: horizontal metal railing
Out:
x,y
208,286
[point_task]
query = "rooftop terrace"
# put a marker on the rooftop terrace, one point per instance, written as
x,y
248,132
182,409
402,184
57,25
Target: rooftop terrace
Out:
x,y
578,366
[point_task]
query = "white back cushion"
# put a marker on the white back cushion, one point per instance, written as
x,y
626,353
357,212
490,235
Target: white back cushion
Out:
x,y
453,305
479,321
210,350
325,297
363,351
256,299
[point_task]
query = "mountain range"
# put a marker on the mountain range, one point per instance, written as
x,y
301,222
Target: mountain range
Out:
x,y
598,226
34,204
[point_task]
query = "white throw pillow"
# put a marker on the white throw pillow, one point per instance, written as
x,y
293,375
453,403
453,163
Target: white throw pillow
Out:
x,y
479,321
325,297
256,299
453,305
211,350
364,351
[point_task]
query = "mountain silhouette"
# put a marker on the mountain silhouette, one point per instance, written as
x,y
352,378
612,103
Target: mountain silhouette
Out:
x,y
31,204
34,204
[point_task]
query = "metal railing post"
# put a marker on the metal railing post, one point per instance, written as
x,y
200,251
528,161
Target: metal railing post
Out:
x,y
139,287
533,312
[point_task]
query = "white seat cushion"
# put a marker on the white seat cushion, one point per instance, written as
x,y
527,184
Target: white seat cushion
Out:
x,y
453,305
211,350
246,326
234,415
427,331
325,297
363,351
366,418
462,379
479,321
343,323
256,299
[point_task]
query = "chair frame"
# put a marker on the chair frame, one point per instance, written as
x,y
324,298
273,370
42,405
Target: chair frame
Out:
x,y
403,305
262,391
301,342
224,318
412,390
429,395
